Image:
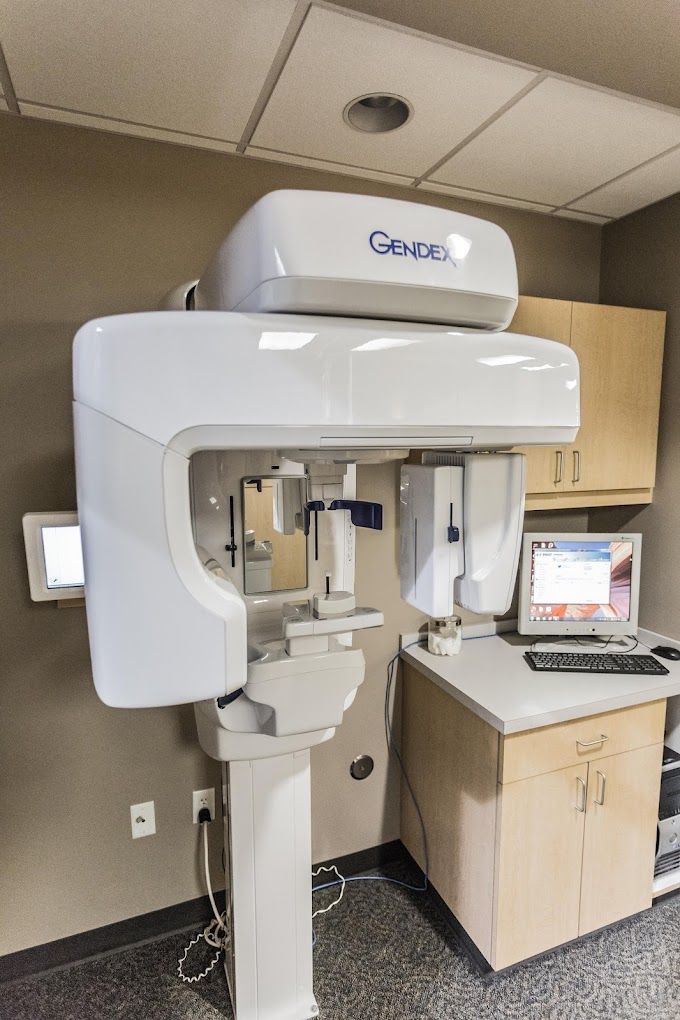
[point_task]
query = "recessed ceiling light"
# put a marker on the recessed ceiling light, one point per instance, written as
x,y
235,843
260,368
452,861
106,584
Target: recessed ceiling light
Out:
x,y
377,112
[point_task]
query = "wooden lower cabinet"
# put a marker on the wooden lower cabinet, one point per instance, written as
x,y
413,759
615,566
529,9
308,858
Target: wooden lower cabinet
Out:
x,y
540,838
618,851
531,863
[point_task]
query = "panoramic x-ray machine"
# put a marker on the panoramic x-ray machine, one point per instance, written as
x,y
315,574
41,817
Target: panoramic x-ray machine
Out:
x,y
216,452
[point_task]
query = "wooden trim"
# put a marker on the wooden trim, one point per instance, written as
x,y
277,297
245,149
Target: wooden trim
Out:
x,y
583,500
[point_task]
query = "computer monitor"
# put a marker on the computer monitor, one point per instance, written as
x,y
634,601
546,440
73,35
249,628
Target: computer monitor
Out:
x,y
579,584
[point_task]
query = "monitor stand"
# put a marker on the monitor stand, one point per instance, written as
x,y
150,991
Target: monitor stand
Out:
x,y
616,644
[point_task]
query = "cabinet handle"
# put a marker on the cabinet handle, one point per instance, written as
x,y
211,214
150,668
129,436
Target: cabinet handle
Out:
x,y
593,743
581,806
601,776
559,463
576,476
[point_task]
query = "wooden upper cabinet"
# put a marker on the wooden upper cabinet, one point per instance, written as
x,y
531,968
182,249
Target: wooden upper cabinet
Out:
x,y
551,320
544,317
620,352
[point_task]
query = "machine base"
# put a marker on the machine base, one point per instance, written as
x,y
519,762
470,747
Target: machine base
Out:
x,y
269,887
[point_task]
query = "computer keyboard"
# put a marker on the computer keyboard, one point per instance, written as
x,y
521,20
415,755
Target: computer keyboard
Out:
x,y
594,662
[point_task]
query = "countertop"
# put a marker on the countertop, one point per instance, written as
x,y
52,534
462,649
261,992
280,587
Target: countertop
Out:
x,y
491,678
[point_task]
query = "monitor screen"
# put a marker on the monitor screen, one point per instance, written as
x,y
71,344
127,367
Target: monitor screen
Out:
x,y
63,556
580,581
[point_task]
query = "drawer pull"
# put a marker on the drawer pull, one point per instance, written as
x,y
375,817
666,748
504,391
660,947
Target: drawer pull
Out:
x,y
581,806
576,476
592,743
559,463
601,787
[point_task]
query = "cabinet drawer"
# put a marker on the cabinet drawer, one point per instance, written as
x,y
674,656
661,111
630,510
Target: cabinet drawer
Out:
x,y
534,752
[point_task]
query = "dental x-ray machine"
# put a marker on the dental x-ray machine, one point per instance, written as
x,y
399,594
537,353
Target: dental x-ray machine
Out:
x,y
216,450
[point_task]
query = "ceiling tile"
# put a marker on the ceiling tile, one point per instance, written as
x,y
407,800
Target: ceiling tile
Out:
x,y
559,141
337,58
640,187
121,127
196,68
570,214
321,164
481,196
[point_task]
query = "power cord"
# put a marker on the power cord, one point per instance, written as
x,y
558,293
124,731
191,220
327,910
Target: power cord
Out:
x,y
341,881
590,643
216,934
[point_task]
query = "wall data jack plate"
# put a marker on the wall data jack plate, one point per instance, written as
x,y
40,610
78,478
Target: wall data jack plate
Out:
x,y
143,819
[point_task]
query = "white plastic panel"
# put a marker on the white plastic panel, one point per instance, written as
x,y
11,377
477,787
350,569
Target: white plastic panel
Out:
x,y
298,379
430,502
493,517
386,258
162,631
269,841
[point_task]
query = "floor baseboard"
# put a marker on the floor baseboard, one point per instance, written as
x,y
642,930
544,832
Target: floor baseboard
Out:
x,y
135,930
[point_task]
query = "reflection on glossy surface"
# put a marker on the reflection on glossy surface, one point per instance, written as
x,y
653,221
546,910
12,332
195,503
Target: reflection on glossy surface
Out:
x,y
458,246
275,547
504,359
284,341
384,343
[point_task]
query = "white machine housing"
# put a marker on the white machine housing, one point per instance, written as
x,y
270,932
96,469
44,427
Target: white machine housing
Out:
x,y
443,562
330,330
320,253
153,389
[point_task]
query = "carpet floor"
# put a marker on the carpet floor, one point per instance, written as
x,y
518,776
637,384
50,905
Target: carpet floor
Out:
x,y
386,954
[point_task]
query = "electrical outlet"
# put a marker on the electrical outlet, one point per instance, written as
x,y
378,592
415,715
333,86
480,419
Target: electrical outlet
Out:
x,y
201,799
143,819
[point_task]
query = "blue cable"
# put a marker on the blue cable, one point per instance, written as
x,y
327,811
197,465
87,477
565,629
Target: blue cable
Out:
x,y
371,878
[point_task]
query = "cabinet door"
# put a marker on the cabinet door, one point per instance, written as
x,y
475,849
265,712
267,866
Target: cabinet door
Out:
x,y
539,863
620,836
544,317
620,351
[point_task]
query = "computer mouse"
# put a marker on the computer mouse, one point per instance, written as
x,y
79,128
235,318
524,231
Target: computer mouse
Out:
x,y
666,652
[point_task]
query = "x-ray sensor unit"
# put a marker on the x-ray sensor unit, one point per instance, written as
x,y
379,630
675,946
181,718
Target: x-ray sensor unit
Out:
x,y
216,453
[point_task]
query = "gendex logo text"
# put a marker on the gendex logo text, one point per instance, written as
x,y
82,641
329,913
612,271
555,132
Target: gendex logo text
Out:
x,y
383,244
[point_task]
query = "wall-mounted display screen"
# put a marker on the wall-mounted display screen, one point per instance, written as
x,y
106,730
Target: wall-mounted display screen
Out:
x,y
54,556
63,556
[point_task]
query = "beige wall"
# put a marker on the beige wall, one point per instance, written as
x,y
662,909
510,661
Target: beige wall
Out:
x,y
641,267
94,224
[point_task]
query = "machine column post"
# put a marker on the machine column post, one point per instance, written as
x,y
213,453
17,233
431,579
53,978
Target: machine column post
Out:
x,y
269,863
